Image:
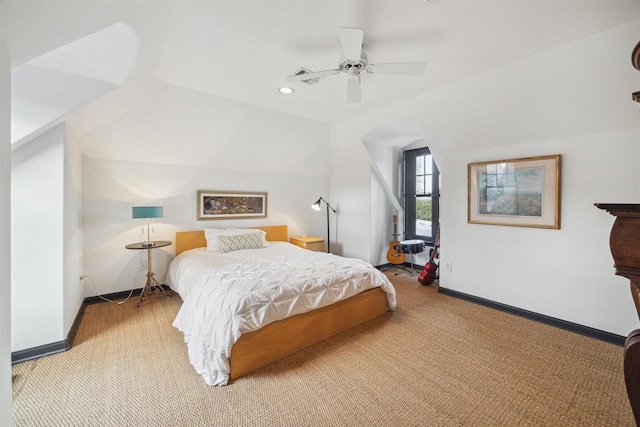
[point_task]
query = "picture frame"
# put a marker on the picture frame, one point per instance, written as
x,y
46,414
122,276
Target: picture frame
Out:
x,y
231,205
521,192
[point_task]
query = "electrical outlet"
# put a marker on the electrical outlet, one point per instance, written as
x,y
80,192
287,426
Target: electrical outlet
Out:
x,y
448,266
143,265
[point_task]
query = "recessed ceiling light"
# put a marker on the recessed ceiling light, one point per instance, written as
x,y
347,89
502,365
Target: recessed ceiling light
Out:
x,y
286,90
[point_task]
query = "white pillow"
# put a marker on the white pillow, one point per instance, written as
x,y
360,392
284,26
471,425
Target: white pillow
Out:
x,y
211,234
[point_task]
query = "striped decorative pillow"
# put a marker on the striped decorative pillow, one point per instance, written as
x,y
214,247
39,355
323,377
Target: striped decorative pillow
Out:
x,y
212,234
240,241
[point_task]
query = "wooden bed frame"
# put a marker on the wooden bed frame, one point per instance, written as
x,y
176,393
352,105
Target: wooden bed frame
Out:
x,y
279,339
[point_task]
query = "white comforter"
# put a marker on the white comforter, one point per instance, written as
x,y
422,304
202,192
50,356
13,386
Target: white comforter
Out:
x,y
226,295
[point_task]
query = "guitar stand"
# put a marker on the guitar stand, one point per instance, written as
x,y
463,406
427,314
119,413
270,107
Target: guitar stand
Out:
x,y
403,268
409,271
410,247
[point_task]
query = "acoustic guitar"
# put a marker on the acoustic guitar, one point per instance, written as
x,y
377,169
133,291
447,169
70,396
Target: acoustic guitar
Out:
x,y
395,255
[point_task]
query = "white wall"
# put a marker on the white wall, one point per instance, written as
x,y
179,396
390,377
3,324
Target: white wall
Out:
x,y
111,187
385,203
46,250
37,257
567,273
351,195
6,418
73,294
573,100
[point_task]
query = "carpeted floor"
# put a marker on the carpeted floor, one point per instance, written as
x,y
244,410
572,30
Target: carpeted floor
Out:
x,y
436,361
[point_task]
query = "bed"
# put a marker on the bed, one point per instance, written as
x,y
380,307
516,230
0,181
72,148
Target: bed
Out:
x,y
296,298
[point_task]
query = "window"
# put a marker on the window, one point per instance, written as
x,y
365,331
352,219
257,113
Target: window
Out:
x,y
421,196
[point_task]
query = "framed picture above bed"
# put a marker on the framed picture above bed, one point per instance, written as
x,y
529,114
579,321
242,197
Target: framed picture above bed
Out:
x,y
231,205
516,192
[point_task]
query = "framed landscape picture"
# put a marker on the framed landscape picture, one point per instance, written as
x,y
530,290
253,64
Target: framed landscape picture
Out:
x,y
516,192
231,205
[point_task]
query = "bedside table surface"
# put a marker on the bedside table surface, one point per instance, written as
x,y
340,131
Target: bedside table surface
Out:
x,y
308,239
155,244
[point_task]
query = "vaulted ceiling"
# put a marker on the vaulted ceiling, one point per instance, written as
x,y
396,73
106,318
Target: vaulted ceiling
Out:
x,y
243,50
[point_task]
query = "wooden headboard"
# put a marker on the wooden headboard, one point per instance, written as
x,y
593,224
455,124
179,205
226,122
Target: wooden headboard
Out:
x,y
186,240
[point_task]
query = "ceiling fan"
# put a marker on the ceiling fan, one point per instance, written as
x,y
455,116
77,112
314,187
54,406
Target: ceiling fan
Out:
x,y
354,62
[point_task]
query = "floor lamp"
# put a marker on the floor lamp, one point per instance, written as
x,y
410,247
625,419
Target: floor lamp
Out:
x,y
316,206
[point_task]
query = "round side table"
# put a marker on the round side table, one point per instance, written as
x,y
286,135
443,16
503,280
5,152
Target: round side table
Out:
x,y
151,284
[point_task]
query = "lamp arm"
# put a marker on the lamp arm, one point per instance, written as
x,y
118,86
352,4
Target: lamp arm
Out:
x,y
328,205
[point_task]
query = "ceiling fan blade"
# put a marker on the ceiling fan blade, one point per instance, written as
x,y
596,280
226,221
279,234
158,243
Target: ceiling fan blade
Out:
x,y
354,92
351,39
401,68
310,76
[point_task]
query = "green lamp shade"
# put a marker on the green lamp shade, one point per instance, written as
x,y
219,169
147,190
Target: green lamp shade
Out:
x,y
148,212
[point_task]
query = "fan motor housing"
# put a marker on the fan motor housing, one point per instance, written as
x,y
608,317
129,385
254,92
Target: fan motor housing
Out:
x,y
346,64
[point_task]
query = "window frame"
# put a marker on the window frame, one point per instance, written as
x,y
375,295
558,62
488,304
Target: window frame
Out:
x,y
409,196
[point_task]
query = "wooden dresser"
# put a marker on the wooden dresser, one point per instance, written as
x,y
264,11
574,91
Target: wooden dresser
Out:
x,y
635,60
309,242
624,242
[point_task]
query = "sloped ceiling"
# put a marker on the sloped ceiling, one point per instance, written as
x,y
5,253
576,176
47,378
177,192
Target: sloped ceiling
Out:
x,y
50,86
243,50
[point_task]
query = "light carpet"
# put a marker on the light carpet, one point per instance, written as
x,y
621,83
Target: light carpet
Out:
x,y
436,361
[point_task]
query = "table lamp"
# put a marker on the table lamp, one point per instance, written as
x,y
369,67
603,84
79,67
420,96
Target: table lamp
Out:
x,y
148,213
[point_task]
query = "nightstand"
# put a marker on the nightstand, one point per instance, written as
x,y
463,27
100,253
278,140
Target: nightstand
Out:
x,y
310,242
151,282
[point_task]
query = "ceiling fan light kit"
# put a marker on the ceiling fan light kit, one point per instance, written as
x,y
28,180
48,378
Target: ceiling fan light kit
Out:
x,y
353,62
